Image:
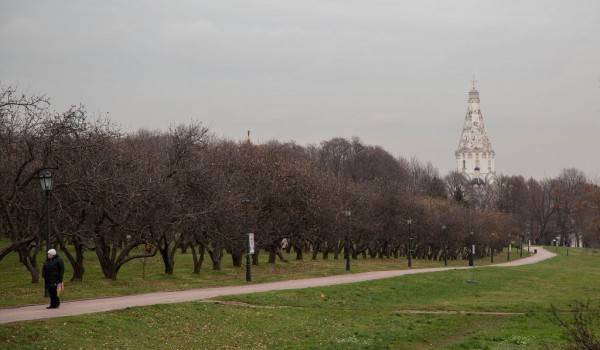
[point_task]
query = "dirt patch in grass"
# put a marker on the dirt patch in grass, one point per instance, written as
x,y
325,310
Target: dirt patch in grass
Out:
x,y
412,312
457,312
239,303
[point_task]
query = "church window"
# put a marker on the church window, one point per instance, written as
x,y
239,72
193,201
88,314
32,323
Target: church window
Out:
x,y
484,155
470,155
464,164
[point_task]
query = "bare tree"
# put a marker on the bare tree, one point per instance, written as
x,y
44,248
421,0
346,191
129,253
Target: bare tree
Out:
x,y
76,157
25,142
568,194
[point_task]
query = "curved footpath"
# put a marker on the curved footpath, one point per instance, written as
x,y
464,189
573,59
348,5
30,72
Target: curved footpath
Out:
x,y
80,307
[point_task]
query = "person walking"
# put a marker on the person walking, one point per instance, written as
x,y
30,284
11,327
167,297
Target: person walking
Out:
x,y
53,272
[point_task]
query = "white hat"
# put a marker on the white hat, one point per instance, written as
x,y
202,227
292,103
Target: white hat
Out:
x,y
52,252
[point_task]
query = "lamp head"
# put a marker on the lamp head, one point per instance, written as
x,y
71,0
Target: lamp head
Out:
x,y
348,212
246,203
46,180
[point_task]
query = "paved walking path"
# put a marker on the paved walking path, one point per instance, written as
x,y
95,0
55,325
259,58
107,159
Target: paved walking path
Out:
x,y
79,307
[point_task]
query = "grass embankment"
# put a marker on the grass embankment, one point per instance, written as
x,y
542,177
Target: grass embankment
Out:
x,y
507,309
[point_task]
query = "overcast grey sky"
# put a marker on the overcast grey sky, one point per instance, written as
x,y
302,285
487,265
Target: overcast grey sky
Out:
x,y
394,73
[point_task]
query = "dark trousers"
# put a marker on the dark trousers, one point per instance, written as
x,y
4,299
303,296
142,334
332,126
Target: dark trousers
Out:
x,y
54,301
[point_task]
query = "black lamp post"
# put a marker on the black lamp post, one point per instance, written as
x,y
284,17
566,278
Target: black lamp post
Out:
x,y
348,213
521,246
509,247
445,245
409,250
492,246
46,182
471,248
246,205
472,258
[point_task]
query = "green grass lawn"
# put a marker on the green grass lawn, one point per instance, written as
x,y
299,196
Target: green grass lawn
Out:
x,y
507,309
138,276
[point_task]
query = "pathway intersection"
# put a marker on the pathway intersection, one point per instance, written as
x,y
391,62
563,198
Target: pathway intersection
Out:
x,y
80,307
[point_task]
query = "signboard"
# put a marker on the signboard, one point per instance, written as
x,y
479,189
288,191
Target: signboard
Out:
x,y
473,249
250,243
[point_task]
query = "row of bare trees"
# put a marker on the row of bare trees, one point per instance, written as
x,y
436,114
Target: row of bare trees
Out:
x,y
129,196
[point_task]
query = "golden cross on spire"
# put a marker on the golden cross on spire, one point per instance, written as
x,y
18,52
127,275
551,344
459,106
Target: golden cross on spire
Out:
x,y
473,81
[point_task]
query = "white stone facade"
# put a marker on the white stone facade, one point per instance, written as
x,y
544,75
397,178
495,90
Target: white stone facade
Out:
x,y
475,157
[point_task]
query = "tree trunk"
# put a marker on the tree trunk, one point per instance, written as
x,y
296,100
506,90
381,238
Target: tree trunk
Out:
x,y
272,257
215,256
112,272
77,260
299,254
281,257
111,256
315,250
168,260
168,248
27,256
274,252
237,259
198,258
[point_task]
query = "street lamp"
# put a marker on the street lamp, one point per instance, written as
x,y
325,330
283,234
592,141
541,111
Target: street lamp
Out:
x,y
409,221
246,204
509,246
492,249
445,245
471,250
348,213
521,247
472,259
46,183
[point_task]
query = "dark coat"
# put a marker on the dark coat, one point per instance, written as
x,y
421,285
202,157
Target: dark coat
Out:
x,y
53,270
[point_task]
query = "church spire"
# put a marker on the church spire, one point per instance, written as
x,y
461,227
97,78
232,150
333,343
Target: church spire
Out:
x,y
475,156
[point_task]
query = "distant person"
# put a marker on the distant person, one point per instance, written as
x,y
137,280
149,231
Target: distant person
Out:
x,y
53,272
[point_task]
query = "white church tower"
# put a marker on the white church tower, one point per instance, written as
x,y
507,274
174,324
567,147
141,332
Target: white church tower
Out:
x,y
475,156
